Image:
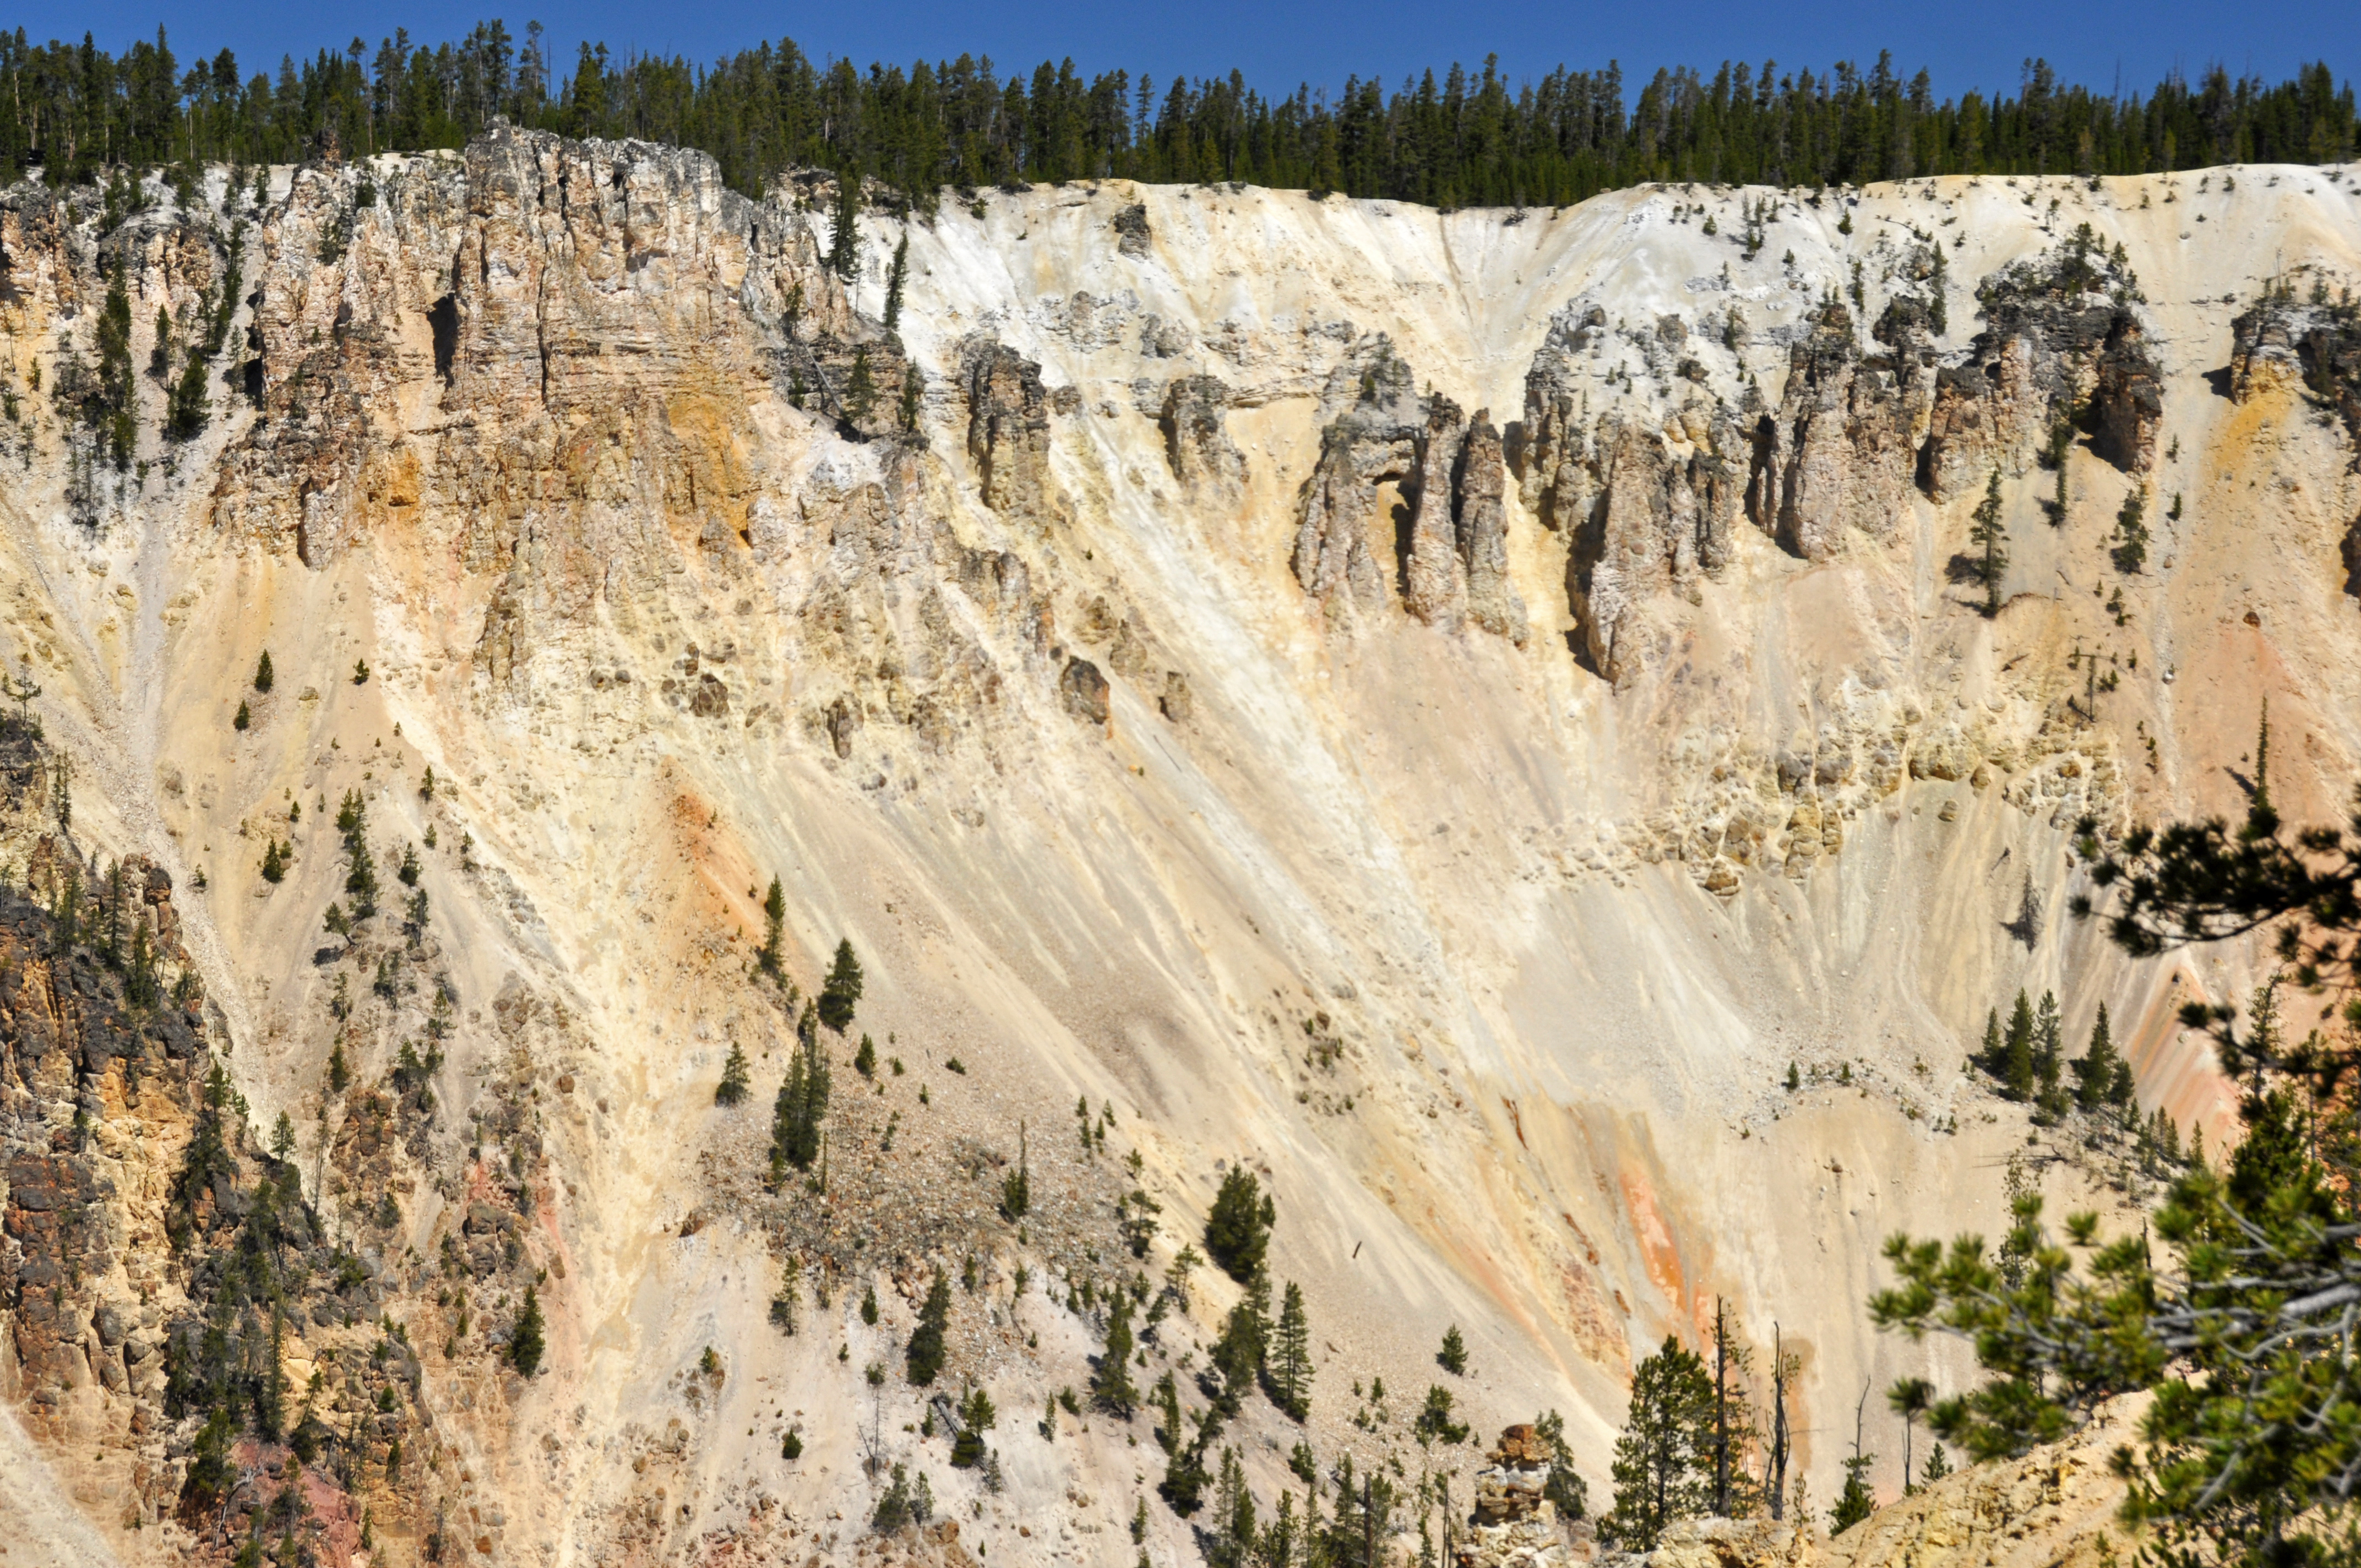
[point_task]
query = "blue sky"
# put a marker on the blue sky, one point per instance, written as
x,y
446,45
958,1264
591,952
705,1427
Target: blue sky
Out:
x,y
1320,41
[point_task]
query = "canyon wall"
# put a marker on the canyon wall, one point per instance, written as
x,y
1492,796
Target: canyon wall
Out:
x,y
1439,710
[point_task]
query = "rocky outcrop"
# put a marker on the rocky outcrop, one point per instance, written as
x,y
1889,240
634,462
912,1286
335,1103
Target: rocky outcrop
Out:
x,y
1728,1544
429,345
1448,538
2316,345
1647,503
1837,455
1647,509
1197,437
1550,448
1371,444
1515,1524
1131,230
1434,572
1084,692
2055,1508
1665,506
1479,488
1008,432
2128,398
2061,338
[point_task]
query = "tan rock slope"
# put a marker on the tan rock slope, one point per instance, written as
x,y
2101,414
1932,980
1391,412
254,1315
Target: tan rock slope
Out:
x,y
1441,709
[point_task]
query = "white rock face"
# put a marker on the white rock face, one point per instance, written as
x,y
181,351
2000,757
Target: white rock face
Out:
x,y
1440,708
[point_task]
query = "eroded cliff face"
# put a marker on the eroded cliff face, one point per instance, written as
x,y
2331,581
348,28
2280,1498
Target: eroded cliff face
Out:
x,y
1440,711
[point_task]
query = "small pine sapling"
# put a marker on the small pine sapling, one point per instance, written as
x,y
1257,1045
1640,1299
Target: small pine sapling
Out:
x,y
733,1086
526,1341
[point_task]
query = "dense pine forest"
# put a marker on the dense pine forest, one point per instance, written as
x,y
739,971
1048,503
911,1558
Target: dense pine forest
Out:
x,y
1466,139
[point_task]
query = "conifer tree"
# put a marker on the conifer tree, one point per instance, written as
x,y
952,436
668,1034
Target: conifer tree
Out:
x,y
842,992
1236,1356
2130,549
1356,1534
1564,1486
2262,801
1280,1538
187,409
1855,1502
788,1298
262,672
112,409
1166,1399
859,387
1662,1465
1290,1357
923,1358
1433,1422
1135,1216
1016,1187
1453,1356
525,1341
914,389
894,281
1111,1385
1238,1227
844,246
1234,1536
894,1509
800,1108
360,875
65,914
774,920
1183,1485
732,1090
976,1418
1733,1418
1991,535
2048,1061
2095,1071
864,1060
2017,1075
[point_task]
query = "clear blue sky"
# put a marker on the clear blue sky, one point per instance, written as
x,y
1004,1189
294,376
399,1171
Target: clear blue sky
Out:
x,y
1965,43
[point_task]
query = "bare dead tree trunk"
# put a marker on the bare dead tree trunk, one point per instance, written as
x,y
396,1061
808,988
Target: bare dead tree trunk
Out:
x,y
1720,1410
1775,1466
